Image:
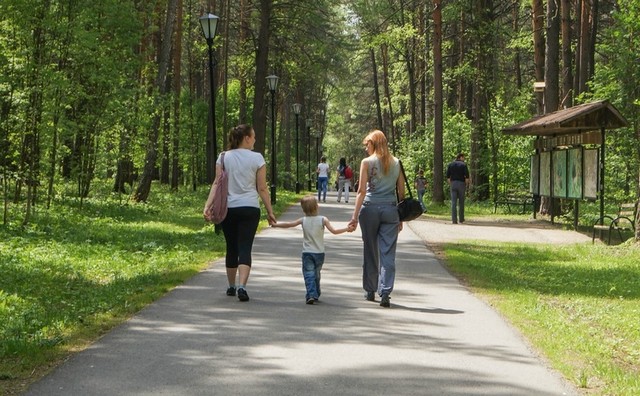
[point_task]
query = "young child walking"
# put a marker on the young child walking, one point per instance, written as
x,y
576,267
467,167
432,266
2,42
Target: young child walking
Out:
x,y
313,226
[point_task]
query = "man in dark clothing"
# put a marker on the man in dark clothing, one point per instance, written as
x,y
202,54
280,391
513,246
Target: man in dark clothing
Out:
x,y
458,178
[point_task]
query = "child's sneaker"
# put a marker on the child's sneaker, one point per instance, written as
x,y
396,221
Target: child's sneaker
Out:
x,y
310,301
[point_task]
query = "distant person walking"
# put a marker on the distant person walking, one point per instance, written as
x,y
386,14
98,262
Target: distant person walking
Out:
x,y
375,210
421,186
247,182
458,178
313,251
345,174
323,179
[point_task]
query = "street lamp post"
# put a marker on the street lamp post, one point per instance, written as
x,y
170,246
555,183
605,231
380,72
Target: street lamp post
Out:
x,y
296,109
273,84
309,150
209,23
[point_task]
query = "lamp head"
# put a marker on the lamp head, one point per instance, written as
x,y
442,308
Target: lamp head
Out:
x,y
272,80
209,23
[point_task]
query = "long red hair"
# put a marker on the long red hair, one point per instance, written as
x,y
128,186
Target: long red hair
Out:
x,y
380,148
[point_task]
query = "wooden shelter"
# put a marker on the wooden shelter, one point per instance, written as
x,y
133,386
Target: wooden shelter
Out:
x,y
575,126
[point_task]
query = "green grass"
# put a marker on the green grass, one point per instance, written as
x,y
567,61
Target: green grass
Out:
x,y
78,270
578,304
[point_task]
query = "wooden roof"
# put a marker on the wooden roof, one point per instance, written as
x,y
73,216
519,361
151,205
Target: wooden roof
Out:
x,y
577,119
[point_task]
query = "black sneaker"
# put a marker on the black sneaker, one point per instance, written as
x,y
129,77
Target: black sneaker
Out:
x,y
384,302
370,296
242,295
231,291
310,301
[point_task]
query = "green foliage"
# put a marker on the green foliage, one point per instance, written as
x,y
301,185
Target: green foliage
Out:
x,y
586,296
616,79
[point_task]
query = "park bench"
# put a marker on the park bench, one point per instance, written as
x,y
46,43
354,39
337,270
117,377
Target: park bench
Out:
x,y
623,220
518,199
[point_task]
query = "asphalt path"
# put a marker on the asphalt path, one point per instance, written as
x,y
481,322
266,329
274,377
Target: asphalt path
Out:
x,y
436,339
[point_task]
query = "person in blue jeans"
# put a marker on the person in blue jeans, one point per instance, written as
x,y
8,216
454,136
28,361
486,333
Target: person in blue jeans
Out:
x,y
313,226
323,179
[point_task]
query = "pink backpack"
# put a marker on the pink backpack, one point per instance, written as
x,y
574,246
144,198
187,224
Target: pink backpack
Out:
x,y
215,210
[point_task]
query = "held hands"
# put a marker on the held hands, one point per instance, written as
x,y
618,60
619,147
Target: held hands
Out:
x,y
353,224
271,218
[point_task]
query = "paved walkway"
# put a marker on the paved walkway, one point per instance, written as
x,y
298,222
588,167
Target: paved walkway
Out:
x,y
436,339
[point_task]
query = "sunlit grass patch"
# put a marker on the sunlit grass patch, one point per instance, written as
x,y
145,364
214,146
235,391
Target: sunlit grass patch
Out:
x,y
578,304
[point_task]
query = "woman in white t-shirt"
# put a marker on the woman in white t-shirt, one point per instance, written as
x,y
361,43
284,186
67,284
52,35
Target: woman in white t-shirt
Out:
x,y
247,176
323,179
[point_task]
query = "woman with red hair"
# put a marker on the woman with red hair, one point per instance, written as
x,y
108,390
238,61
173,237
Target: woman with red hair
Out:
x,y
375,210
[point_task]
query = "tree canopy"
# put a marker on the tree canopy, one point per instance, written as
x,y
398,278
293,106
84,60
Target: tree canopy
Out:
x,y
120,90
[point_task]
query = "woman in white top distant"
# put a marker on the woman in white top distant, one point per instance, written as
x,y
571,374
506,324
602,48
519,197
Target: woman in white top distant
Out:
x,y
247,176
323,179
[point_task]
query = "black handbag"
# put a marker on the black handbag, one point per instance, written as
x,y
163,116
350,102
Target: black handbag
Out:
x,y
409,208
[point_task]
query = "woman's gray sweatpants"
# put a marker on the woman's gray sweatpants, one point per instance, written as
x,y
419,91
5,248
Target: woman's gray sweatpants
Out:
x,y
379,227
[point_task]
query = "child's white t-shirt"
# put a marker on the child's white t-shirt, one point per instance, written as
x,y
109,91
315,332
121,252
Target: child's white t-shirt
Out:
x,y
313,234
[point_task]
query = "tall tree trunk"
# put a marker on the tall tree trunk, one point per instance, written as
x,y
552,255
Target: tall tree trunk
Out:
x,y
438,155
538,19
166,133
284,132
5,159
593,38
144,188
516,59
422,65
484,67
177,88
409,59
225,77
463,83
376,87
637,223
262,59
552,69
30,151
53,155
567,56
242,38
551,78
582,68
389,124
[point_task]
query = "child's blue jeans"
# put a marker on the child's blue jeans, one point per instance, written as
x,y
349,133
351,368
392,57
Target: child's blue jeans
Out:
x,y
311,266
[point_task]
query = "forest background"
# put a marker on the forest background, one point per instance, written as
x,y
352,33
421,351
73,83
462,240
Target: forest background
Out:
x,y
119,90
105,106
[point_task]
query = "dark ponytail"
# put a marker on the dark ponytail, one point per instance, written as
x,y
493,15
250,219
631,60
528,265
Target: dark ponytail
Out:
x,y
236,134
